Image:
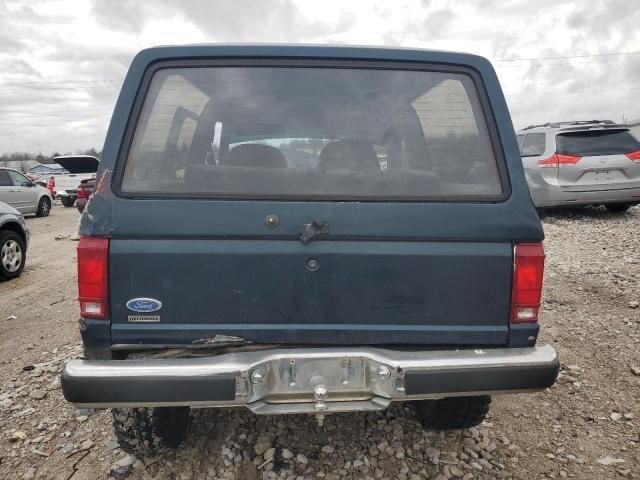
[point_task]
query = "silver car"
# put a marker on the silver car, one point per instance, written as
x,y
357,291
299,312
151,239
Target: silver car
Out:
x,y
593,162
22,194
14,238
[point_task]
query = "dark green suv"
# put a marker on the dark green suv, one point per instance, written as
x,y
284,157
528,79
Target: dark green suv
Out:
x,y
308,230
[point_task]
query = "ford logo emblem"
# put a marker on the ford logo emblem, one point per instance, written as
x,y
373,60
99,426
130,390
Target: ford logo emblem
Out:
x,y
144,305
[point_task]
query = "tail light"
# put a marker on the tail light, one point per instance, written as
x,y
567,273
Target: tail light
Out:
x,y
557,159
635,156
528,269
93,255
81,192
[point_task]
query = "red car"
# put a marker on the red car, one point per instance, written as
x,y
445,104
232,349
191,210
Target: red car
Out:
x,y
84,191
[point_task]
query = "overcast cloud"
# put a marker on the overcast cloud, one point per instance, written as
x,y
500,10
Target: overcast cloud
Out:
x,y
62,62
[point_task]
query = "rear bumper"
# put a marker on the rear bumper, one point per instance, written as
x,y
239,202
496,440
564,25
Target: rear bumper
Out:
x,y
554,196
308,380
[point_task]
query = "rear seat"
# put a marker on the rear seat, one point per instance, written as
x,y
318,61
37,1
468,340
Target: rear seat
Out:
x,y
349,156
346,167
303,182
256,155
246,180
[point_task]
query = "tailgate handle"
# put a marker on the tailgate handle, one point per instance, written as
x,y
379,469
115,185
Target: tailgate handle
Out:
x,y
312,230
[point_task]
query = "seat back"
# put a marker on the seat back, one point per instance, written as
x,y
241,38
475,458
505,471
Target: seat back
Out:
x,y
349,155
256,155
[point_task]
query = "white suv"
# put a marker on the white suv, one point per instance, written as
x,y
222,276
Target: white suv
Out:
x,y
595,162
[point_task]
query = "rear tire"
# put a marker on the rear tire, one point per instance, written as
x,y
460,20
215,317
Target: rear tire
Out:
x,y
617,207
68,201
44,207
146,431
452,413
13,254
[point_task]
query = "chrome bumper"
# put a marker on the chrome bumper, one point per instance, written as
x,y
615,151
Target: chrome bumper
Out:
x,y
308,380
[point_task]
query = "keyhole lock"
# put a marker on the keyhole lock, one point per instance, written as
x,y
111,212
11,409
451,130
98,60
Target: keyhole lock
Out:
x,y
313,264
272,220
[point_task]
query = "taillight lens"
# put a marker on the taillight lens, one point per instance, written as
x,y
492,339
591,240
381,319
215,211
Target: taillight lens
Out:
x,y
93,256
528,269
635,156
557,159
81,192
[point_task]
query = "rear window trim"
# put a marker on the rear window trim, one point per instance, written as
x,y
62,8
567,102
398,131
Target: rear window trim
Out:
x,y
284,62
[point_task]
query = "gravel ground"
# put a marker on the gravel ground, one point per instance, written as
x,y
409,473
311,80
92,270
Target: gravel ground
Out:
x,y
586,427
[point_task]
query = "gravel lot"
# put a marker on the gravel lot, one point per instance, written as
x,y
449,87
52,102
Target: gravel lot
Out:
x,y
586,427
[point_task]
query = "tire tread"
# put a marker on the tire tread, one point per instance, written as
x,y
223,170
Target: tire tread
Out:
x,y
40,211
453,413
617,207
4,236
143,431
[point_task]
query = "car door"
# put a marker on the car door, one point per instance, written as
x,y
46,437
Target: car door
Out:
x,y
25,197
6,188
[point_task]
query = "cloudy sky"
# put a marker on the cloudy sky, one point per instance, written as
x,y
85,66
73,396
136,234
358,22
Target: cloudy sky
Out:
x,y
62,61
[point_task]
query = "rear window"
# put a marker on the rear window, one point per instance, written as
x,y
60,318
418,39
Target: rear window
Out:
x,y
596,142
533,145
335,133
5,181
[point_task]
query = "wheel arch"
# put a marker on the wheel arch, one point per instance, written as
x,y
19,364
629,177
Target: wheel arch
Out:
x,y
14,226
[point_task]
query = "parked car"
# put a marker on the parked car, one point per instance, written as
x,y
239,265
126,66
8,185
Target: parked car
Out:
x,y
213,273
14,238
79,167
23,194
595,162
84,191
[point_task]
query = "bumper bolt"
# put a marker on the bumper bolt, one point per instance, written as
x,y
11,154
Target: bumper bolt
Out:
x,y
257,376
384,372
320,392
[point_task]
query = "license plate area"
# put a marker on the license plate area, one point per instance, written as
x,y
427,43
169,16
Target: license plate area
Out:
x,y
318,380
603,176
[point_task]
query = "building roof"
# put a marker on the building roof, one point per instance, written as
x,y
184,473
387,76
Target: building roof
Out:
x,y
46,168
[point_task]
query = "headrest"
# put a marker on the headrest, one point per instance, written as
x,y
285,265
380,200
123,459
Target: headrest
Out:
x,y
256,155
349,155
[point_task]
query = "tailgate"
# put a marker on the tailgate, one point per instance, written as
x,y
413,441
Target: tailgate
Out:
x,y
604,172
327,292
601,160
69,181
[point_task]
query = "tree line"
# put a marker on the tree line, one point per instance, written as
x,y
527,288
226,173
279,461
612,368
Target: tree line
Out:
x,y
25,160
41,158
